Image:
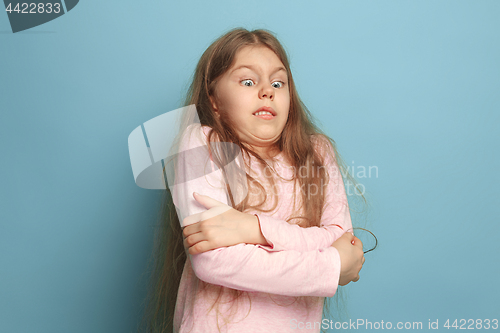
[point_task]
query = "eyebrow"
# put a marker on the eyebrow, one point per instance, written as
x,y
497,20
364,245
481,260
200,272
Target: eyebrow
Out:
x,y
277,69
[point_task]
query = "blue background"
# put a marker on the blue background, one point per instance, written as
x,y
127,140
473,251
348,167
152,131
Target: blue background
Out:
x,y
411,87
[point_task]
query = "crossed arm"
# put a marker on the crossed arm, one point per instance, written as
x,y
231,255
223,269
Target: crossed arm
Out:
x,y
276,257
277,235
233,228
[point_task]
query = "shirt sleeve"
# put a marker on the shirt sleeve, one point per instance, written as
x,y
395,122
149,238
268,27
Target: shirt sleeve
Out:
x,y
335,220
251,267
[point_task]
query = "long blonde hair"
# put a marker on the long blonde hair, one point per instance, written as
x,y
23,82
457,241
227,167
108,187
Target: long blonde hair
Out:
x,y
169,257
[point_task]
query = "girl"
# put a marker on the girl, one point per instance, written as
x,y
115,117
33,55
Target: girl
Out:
x,y
247,267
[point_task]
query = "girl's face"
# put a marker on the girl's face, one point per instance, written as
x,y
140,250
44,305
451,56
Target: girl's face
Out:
x,y
257,79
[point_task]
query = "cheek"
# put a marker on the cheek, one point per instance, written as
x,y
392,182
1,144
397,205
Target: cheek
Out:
x,y
232,99
285,96
286,103
287,108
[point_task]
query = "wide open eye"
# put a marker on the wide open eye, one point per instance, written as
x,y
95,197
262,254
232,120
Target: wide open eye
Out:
x,y
250,80
281,84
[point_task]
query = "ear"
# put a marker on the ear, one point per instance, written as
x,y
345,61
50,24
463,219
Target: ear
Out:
x,y
214,106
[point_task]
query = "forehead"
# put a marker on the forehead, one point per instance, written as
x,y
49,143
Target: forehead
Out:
x,y
256,58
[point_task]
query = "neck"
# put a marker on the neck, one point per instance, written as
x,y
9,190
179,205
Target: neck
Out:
x,y
265,152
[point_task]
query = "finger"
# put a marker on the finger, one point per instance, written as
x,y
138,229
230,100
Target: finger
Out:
x,y
356,279
193,239
363,261
194,249
214,211
199,248
190,229
348,236
192,219
206,201
208,214
358,243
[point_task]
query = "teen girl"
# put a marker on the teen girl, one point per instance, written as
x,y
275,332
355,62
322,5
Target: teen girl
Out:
x,y
265,263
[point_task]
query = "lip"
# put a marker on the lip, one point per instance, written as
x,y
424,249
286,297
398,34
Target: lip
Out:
x,y
266,108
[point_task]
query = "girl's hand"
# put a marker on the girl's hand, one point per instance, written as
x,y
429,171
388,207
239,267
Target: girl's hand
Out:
x,y
351,257
216,227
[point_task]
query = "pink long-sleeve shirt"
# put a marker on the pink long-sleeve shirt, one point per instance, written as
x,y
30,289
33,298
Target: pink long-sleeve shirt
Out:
x,y
298,262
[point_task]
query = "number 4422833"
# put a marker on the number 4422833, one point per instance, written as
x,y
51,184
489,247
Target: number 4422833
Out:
x,y
34,8
472,324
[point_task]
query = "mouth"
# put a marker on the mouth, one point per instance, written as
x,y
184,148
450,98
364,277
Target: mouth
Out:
x,y
265,112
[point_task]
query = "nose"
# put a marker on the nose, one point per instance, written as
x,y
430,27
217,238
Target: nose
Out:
x,y
267,91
